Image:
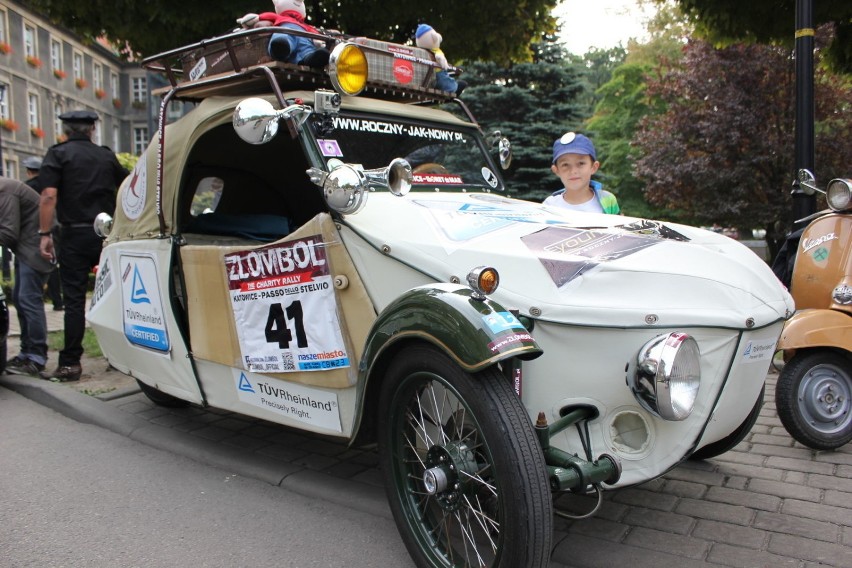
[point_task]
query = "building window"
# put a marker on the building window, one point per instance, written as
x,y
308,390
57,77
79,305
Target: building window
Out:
x,y
10,168
57,124
56,56
78,66
98,137
140,89
32,111
98,76
140,140
4,29
4,101
30,46
116,139
113,85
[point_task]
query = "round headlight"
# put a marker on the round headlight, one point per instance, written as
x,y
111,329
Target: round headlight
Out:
x,y
667,376
344,190
347,68
838,195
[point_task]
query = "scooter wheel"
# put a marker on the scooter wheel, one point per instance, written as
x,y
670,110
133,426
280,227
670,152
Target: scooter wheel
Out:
x,y
814,398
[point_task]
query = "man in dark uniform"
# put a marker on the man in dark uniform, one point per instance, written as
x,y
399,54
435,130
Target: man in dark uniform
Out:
x,y
54,288
80,180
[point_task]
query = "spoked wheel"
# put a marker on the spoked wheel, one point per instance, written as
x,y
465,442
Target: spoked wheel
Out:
x,y
463,469
813,399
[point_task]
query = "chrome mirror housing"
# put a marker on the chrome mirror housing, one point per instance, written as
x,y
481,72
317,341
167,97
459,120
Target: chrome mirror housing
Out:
x,y
256,120
807,181
504,148
103,224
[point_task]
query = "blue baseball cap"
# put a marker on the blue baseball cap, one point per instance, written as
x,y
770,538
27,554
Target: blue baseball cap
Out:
x,y
573,143
422,29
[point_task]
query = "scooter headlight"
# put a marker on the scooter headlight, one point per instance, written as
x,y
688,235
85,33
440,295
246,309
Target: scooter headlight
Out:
x,y
838,195
667,376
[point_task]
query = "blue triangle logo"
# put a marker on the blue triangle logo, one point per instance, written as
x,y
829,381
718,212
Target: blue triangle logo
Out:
x,y
139,294
245,385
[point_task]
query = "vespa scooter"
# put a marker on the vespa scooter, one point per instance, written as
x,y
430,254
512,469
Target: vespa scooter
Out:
x,y
814,391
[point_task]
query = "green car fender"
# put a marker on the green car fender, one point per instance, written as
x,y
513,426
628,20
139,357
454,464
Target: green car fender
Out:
x,y
474,333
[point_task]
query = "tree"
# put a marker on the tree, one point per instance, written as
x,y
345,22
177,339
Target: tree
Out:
x,y
723,150
533,104
623,102
766,21
501,33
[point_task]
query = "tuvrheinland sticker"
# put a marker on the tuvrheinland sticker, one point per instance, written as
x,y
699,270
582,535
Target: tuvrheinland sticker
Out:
x,y
298,402
758,350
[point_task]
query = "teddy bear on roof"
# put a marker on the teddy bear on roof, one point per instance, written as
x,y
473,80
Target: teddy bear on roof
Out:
x,y
286,47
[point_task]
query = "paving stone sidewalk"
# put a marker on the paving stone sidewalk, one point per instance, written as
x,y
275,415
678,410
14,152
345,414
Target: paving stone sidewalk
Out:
x,y
768,503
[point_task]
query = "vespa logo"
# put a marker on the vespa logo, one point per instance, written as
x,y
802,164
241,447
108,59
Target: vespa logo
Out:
x,y
808,244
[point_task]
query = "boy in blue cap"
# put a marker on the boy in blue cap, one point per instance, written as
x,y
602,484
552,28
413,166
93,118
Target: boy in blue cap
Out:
x,y
574,162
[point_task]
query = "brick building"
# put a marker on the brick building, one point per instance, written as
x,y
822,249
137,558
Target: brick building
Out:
x,y
46,69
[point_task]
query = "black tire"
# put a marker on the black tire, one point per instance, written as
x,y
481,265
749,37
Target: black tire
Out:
x,y
813,399
160,398
496,508
719,447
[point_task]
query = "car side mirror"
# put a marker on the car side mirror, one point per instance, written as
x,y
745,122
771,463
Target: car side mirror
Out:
x,y
504,148
256,120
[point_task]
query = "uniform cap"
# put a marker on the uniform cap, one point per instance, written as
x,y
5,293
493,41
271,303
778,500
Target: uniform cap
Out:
x,y
32,163
572,143
422,29
84,116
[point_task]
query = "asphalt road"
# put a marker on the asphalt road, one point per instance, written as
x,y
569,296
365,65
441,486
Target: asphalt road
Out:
x,y
79,495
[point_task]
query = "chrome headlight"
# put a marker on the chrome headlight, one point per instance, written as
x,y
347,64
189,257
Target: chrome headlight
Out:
x,y
838,195
667,376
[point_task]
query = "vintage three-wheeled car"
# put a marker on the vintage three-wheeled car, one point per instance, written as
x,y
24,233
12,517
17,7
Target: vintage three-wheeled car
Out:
x,y
329,250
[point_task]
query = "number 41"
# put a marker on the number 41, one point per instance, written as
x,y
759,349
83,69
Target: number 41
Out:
x,y
276,325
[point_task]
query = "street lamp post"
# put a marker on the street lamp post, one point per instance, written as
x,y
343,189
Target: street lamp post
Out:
x,y
803,204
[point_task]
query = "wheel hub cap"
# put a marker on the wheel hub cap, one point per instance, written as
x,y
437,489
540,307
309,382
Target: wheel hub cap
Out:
x,y
447,469
825,396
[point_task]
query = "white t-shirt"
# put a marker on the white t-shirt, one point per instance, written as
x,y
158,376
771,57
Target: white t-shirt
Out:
x,y
590,206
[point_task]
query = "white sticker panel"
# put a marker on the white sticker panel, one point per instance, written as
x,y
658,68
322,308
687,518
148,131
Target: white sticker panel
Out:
x,y
297,402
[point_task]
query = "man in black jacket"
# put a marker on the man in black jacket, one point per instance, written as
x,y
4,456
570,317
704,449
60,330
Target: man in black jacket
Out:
x,y
80,180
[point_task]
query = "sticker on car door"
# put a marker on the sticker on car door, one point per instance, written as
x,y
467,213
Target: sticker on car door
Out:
x,y
142,304
284,307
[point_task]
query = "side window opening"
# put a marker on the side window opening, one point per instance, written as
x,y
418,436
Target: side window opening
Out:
x,y
207,195
260,192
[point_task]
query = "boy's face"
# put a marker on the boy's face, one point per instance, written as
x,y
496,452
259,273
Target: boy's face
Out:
x,y
575,170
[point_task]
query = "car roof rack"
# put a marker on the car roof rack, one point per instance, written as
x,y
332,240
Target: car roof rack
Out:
x,y
238,64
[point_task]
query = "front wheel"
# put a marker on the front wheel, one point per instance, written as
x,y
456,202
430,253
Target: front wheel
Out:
x,y
813,399
160,398
463,469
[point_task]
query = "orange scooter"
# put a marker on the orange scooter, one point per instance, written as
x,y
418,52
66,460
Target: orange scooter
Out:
x,y
814,391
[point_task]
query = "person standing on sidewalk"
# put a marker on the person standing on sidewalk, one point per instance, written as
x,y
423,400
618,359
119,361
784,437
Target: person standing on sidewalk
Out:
x,y
80,180
54,287
19,223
